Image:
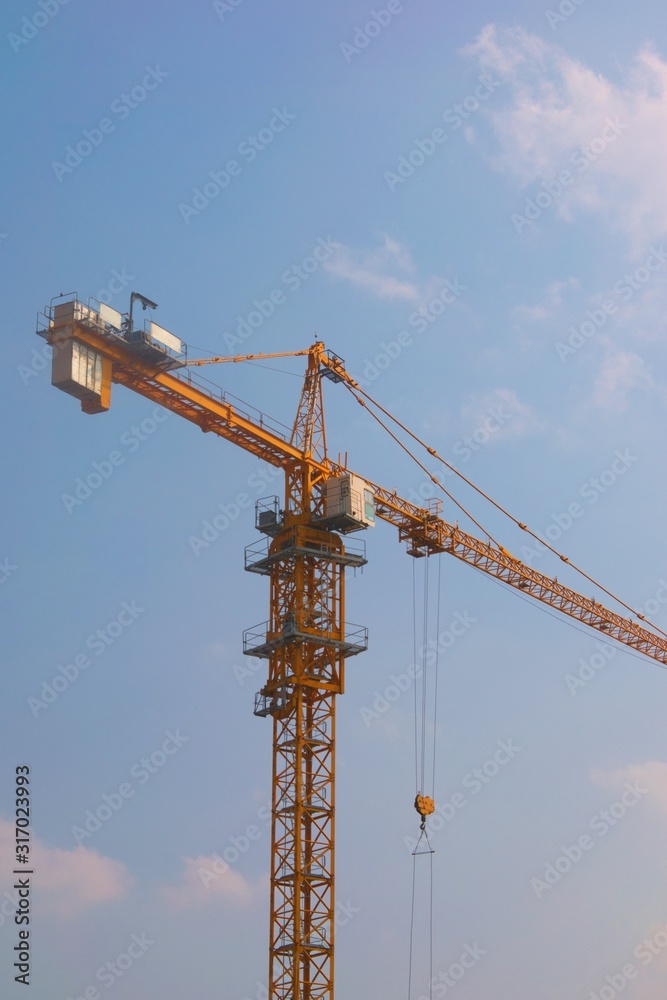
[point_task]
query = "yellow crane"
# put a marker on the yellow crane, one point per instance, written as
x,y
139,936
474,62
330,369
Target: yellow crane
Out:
x,y
306,638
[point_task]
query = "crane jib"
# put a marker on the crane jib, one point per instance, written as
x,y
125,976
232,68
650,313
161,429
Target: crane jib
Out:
x,y
428,534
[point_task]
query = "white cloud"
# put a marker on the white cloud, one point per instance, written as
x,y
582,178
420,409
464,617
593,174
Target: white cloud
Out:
x,y
382,272
69,881
550,303
499,415
207,879
219,649
621,372
651,776
643,317
557,105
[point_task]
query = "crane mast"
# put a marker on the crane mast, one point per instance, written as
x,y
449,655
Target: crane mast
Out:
x,y
306,645
306,639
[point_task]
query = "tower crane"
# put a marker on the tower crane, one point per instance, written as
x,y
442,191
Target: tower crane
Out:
x,y
306,638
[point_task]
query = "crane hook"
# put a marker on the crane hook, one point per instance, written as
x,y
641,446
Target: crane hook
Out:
x,y
425,806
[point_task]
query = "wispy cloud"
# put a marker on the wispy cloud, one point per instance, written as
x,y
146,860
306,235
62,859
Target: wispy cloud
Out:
x,y
651,776
547,307
500,415
69,881
559,105
208,879
383,272
621,373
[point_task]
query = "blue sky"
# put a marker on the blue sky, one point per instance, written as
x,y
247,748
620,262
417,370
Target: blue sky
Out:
x,y
485,189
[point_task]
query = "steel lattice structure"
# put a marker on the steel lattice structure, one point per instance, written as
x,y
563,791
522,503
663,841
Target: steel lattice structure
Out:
x,y
306,639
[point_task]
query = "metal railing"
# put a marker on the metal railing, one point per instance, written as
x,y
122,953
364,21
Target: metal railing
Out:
x,y
305,628
88,316
258,552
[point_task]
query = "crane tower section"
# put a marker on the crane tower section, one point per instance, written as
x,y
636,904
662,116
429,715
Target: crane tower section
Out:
x,y
306,642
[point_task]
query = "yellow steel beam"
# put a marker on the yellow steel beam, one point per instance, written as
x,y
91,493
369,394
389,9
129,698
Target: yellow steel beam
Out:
x,y
197,362
177,392
427,533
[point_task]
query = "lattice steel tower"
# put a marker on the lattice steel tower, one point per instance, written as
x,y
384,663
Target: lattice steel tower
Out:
x,y
306,642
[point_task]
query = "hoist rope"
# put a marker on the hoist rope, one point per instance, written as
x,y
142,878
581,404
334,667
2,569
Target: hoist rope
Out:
x,y
430,928
414,660
412,924
422,720
422,789
437,670
415,854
